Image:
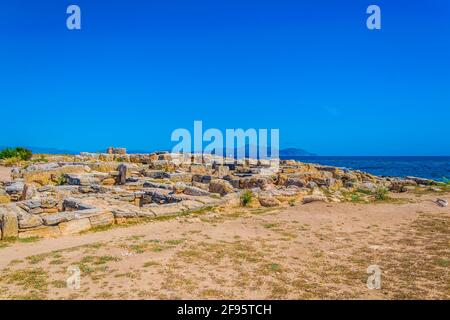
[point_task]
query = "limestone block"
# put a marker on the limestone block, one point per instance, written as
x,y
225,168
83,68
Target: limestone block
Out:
x,y
43,232
103,219
9,224
74,226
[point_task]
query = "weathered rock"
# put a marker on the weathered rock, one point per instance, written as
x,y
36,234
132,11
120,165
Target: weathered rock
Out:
x,y
401,185
122,178
268,201
45,177
47,203
162,165
311,185
28,192
192,205
124,213
8,223
74,226
295,182
27,221
159,196
85,213
423,181
120,151
51,210
367,187
150,184
158,174
91,189
5,199
81,180
14,187
36,211
198,169
41,232
201,178
313,198
103,219
168,209
74,204
28,205
108,182
204,186
42,167
180,176
253,182
54,219
234,181
220,186
194,191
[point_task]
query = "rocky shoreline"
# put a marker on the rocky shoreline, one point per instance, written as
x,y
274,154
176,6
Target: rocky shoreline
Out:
x,y
59,195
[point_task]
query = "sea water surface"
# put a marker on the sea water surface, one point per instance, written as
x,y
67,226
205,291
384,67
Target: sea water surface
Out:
x,y
436,168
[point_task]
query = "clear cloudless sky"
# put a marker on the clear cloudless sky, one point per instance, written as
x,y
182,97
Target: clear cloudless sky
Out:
x,y
140,69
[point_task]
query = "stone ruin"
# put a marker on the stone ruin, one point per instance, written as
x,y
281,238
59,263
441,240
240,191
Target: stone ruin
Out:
x,y
62,197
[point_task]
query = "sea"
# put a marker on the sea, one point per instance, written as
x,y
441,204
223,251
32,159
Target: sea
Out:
x,y
436,168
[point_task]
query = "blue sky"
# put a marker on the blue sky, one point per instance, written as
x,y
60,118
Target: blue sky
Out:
x,y
140,69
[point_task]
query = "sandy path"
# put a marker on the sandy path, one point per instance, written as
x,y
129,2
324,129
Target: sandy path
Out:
x,y
315,214
346,217
322,251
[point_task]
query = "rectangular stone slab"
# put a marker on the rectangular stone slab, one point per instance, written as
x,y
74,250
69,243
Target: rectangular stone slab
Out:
x,y
9,225
74,226
43,232
103,219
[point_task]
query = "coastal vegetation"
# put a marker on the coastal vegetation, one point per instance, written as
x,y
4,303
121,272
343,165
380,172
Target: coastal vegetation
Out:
x,y
19,153
246,197
13,156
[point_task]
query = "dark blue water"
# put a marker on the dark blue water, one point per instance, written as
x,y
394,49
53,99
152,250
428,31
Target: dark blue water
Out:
x,y
435,168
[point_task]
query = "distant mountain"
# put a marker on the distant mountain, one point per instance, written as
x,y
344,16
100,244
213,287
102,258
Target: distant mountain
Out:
x,y
288,152
40,150
295,152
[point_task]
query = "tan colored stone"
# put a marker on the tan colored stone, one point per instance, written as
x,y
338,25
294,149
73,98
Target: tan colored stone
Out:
x,y
104,167
9,225
222,171
103,219
220,186
198,169
313,198
267,201
74,226
5,199
168,209
51,176
109,182
42,232
123,220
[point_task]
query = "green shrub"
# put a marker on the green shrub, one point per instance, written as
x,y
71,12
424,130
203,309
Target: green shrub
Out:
x,y
246,197
61,179
40,159
381,193
19,152
356,197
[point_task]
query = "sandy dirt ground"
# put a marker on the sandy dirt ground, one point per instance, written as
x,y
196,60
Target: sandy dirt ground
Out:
x,y
5,174
312,251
